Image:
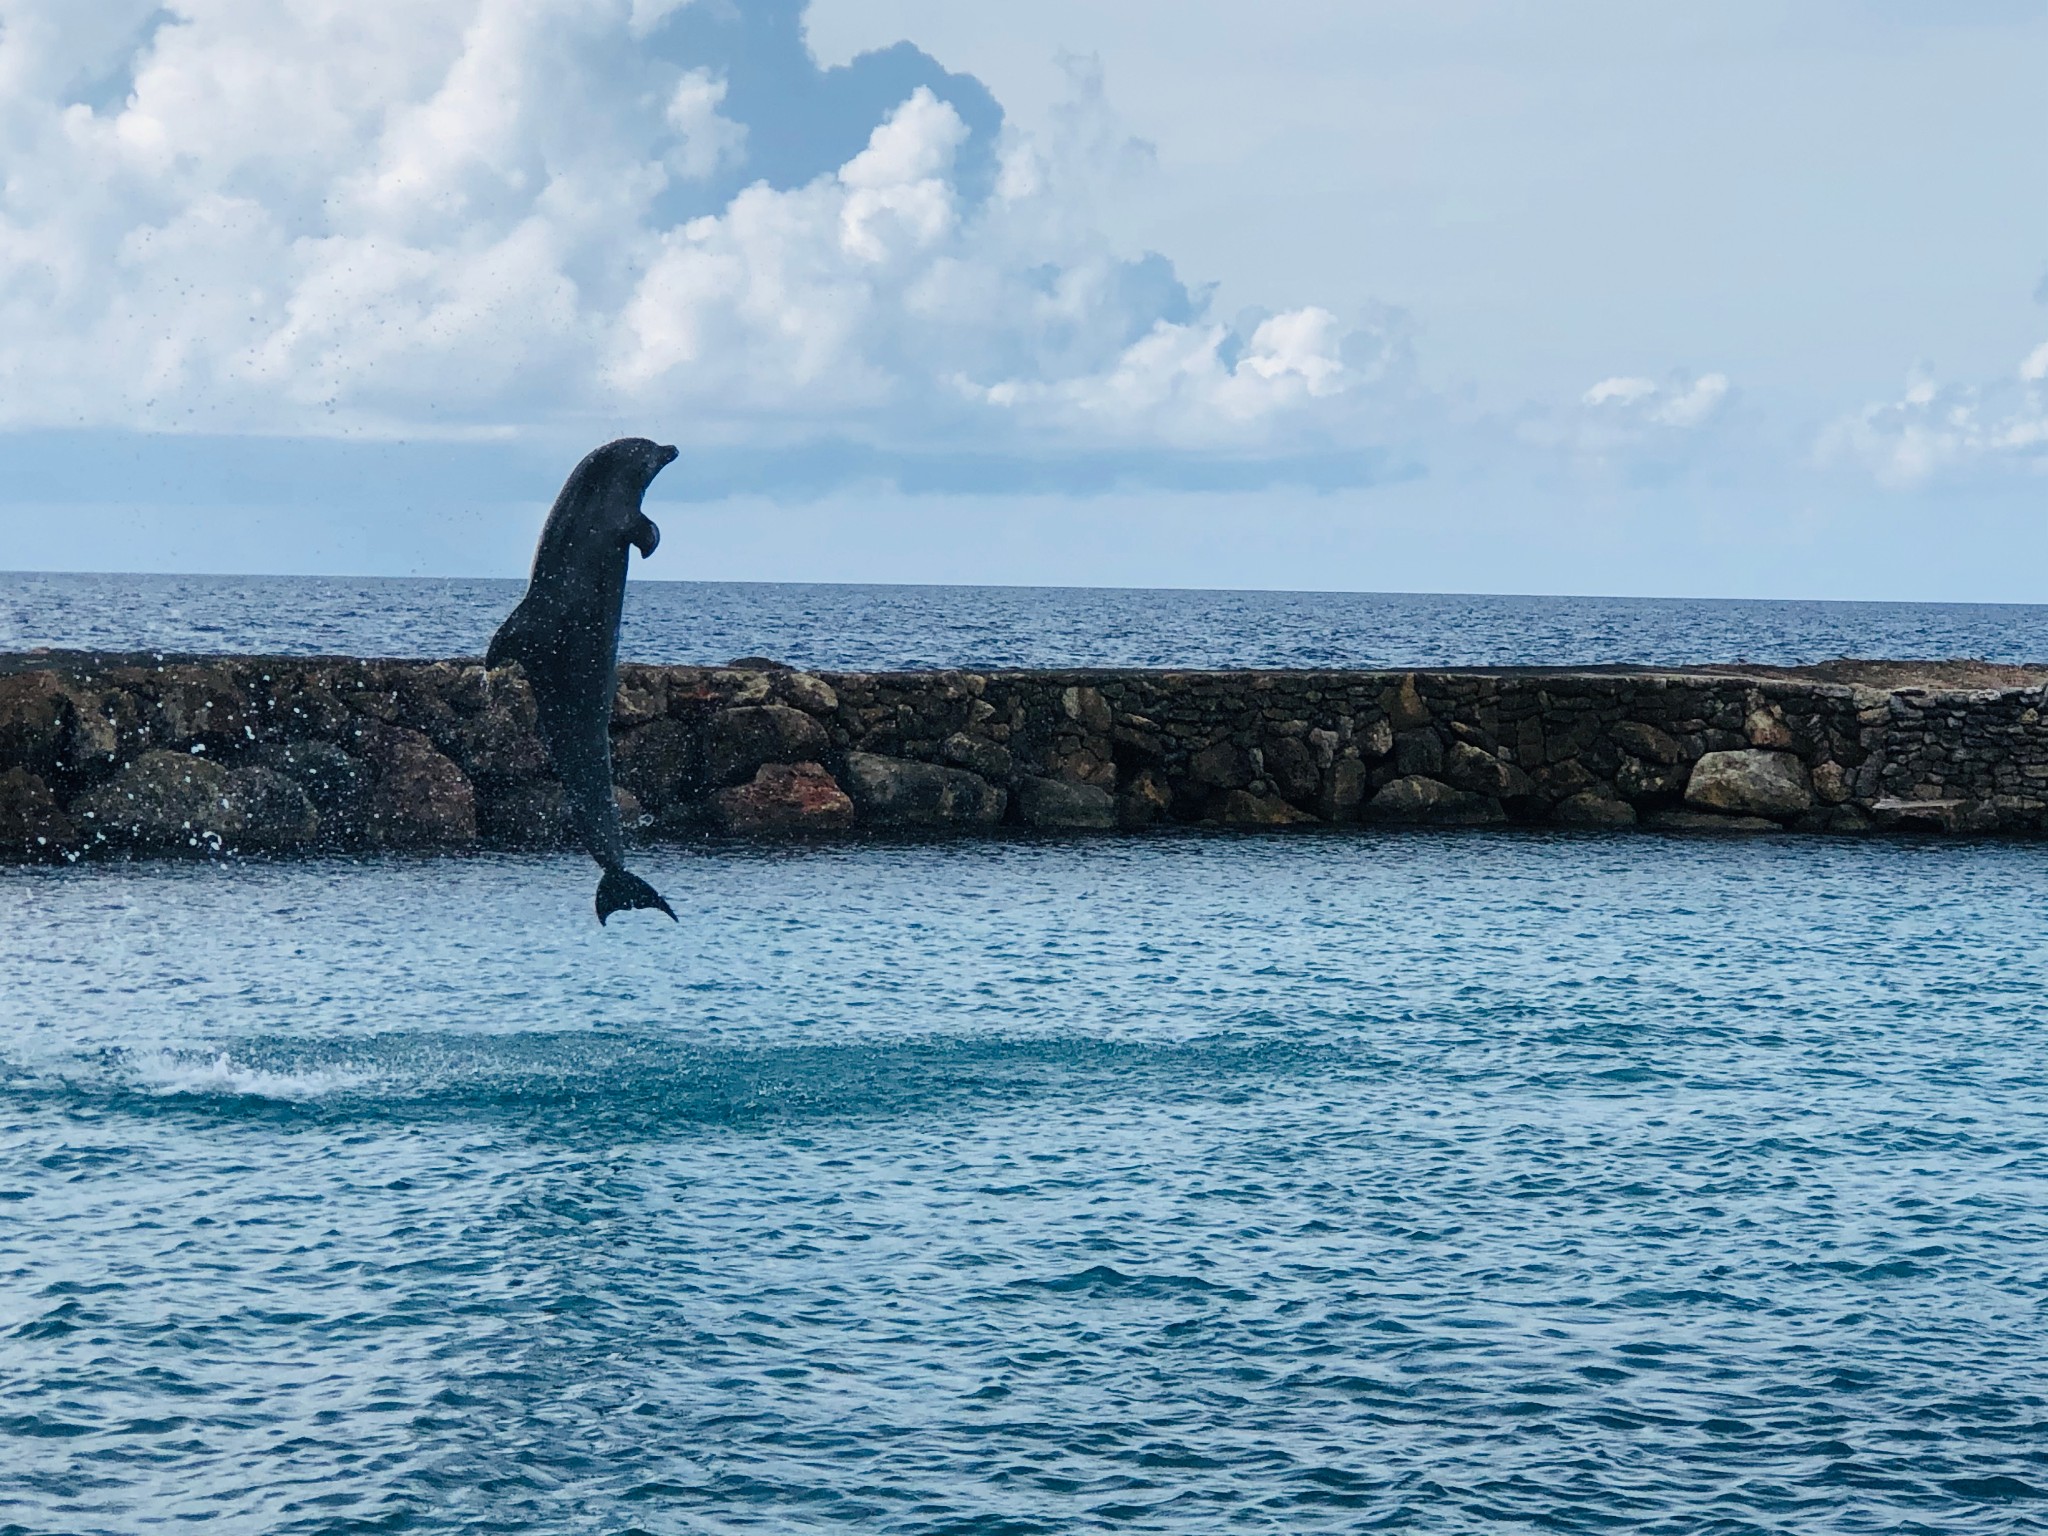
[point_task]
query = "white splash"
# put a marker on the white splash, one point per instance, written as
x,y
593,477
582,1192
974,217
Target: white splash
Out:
x,y
171,1073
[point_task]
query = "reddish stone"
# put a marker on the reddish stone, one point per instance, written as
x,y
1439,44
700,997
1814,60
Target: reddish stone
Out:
x,y
1242,808
785,797
739,741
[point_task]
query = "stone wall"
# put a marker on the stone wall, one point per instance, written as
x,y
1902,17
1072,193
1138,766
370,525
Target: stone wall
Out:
x,y
209,754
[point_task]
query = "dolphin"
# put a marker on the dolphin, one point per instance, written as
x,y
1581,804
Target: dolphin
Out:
x,y
565,634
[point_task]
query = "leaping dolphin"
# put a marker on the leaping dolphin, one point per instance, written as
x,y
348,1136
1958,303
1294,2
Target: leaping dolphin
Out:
x,y
565,633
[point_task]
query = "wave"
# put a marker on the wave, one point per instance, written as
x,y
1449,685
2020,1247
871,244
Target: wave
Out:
x,y
601,1084
170,1073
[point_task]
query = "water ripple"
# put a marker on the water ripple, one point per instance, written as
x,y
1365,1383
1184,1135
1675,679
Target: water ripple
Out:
x,y
1198,1183
884,627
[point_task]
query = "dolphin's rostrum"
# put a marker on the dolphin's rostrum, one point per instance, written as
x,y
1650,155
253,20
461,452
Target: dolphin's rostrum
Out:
x,y
565,634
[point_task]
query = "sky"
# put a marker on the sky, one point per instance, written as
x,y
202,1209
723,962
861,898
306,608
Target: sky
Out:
x,y
1748,299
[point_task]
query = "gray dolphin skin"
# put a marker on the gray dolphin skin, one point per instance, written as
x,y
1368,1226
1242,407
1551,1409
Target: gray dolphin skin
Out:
x,y
565,634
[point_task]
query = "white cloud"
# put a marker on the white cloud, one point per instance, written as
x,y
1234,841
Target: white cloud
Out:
x,y
1638,426
1176,383
1696,406
1933,431
709,142
317,216
1676,403
1626,391
648,14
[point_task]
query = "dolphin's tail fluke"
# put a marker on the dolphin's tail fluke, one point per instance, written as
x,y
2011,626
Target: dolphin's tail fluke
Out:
x,y
620,890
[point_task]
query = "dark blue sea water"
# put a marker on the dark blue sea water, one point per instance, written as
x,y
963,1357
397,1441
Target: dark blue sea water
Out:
x,y
1431,1182
855,627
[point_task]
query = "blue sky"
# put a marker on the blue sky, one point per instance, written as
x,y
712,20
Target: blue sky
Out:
x,y
1592,296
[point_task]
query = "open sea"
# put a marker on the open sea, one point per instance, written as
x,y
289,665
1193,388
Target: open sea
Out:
x,y
1323,1182
850,628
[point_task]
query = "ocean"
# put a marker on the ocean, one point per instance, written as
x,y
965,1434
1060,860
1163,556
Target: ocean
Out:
x,y
852,628
1192,1182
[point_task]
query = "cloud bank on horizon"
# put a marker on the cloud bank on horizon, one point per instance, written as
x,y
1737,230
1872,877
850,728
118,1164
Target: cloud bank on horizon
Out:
x,y
517,218
1934,430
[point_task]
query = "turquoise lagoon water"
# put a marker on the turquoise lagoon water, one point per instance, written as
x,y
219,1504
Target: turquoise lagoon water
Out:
x,y
1190,1183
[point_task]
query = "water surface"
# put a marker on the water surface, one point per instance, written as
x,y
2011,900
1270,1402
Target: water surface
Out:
x,y
883,627
1434,1182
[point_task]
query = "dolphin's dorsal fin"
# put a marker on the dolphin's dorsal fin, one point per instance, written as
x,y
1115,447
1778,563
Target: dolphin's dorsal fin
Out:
x,y
520,638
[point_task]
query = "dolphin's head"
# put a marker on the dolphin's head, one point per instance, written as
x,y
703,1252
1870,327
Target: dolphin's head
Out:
x,y
621,471
631,463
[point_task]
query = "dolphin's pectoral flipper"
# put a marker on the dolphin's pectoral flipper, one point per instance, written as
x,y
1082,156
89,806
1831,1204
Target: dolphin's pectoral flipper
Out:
x,y
644,536
620,890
